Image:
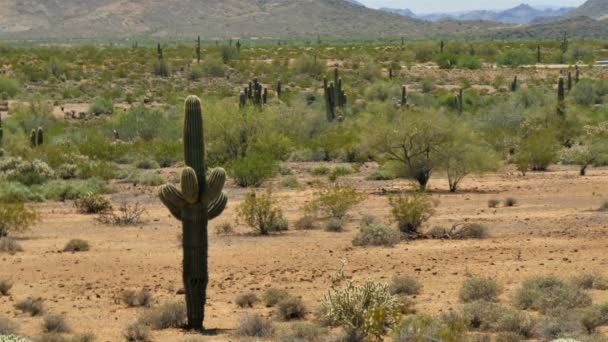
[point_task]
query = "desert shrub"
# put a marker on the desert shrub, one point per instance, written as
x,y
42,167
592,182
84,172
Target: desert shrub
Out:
x,y
224,228
290,183
139,298
482,315
380,175
137,332
77,245
446,60
469,62
410,211
55,323
147,164
339,171
210,67
71,190
516,322
128,215
92,204
5,286
291,308
538,150
101,106
515,57
493,203
335,225
321,170
334,201
261,212
151,178
591,281
9,245
302,332
254,325
246,300
7,327
161,68
8,86
548,293
32,306
366,310
11,192
477,288
593,317
273,296
376,235
252,170
425,328
84,337
15,217
168,315
306,222
309,66
561,325
404,285
459,232
510,202
25,172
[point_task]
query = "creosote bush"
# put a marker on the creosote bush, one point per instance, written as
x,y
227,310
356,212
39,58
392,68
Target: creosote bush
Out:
x,y
55,323
273,296
334,201
291,308
426,328
254,325
252,170
92,204
549,293
5,287
137,332
32,306
246,300
139,298
165,316
77,245
404,285
376,235
591,281
412,210
477,288
15,217
261,212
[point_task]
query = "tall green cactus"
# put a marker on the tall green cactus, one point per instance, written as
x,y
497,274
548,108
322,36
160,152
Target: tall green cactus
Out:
x,y
561,98
33,138
514,84
198,49
403,96
200,199
40,137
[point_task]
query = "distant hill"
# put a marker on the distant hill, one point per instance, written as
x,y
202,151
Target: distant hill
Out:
x,y
597,9
577,27
522,14
210,18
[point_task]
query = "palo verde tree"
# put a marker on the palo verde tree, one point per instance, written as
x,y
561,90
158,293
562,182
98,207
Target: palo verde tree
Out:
x,y
200,199
415,139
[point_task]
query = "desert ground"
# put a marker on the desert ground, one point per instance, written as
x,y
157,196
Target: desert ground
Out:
x,y
555,229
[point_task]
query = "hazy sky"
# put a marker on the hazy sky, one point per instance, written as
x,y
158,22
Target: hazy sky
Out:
x,y
427,6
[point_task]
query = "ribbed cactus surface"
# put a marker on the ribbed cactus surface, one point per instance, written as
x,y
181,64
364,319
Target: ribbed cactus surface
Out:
x,y
199,199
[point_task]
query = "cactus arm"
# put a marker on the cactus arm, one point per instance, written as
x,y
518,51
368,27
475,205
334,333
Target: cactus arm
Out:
x,y
194,145
217,207
172,199
215,184
190,185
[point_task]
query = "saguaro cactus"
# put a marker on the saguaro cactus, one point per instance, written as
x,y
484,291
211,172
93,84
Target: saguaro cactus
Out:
x,y
33,138
403,96
577,76
200,199
538,55
198,49
514,84
561,97
279,89
40,137
569,80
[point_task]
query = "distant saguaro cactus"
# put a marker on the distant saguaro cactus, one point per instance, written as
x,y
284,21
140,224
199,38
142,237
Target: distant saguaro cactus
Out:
x,y
538,55
279,89
40,137
33,138
561,98
403,96
198,49
514,84
569,80
334,95
200,199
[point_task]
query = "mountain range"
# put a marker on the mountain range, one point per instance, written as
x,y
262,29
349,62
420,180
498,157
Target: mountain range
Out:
x,y
522,14
65,19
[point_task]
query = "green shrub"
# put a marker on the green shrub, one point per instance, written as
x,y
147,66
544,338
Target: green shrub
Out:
x,y
548,293
376,235
380,175
302,331
253,325
515,57
8,327
261,213
25,172
77,245
320,170
8,86
148,164
335,225
246,300
291,308
11,192
425,328
252,170
469,62
404,285
591,281
169,315
475,289
334,201
410,211
291,183
366,310
15,217
5,287
137,332
309,65
71,190
273,296
101,106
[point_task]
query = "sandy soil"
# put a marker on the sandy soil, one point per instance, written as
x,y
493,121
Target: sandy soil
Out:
x,y
554,229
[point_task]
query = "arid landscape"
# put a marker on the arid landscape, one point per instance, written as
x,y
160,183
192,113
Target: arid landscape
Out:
x,y
361,176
